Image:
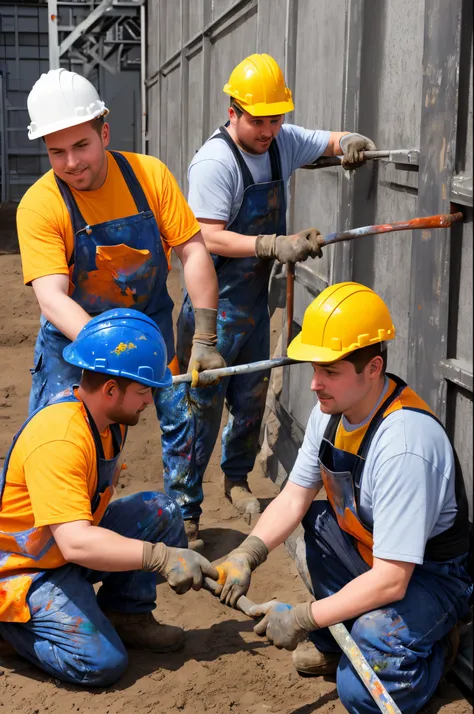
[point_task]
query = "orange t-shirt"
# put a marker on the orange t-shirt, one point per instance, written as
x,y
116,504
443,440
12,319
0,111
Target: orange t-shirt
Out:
x,y
51,478
44,227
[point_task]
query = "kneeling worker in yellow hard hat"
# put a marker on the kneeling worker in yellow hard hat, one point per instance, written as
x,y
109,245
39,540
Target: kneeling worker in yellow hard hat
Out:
x,y
96,233
387,552
238,192
59,532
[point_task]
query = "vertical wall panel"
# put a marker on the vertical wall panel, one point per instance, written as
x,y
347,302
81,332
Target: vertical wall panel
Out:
x,y
389,107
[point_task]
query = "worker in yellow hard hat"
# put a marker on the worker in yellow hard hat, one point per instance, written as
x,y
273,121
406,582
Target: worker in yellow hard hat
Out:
x,y
238,192
387,551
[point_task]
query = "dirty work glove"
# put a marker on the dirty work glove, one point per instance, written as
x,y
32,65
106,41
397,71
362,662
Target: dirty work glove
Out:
x,y
204,354
182,568
290,249
284,625
353,147
235,571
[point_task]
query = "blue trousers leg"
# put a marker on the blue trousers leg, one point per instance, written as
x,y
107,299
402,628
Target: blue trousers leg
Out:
x,y
403,641
68,635
190,418
51,373
246,396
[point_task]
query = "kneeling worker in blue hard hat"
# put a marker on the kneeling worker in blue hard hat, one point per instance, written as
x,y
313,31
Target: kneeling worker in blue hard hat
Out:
x,y
387,552
58,532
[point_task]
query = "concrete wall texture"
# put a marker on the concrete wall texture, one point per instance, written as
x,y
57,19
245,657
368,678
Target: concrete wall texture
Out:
x,y
399,71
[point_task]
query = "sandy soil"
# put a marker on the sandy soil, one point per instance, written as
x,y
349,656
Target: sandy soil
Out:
x,y
225,667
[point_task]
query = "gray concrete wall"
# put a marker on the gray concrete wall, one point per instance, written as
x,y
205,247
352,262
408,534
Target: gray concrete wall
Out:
x,y
367,66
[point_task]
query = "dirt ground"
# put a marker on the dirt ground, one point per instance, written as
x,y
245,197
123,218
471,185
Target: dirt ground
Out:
x,y
224,667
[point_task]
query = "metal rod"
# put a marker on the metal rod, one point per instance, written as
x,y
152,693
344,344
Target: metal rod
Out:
x,y
290,300
406,156
350,648
236,369
442,220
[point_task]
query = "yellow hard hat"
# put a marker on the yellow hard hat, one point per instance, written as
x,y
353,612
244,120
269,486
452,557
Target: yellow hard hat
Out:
x,y
258,85
343,318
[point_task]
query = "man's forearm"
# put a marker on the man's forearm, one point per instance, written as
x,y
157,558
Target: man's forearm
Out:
x,y
103,550
363,594
63,312
230,244
199,274
281,518
334,147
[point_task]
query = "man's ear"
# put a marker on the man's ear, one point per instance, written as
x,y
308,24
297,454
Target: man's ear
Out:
x,y
376,365
110,388
106,134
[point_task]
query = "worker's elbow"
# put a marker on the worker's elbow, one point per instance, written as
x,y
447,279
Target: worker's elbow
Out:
x,y
71,552
396,591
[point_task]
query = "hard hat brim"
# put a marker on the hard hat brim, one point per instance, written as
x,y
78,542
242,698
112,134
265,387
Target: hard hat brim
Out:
x,y
303,352
265,110
64,124
165,381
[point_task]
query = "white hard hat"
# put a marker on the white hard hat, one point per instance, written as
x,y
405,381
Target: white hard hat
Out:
x,y
61,99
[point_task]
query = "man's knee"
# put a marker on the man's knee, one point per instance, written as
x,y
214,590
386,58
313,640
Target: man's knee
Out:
x,y
108,668
165,515
374,635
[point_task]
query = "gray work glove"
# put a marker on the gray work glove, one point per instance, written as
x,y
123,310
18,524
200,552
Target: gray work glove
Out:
x,y
290,249
353,147
204,354
235,571
182,568
284,625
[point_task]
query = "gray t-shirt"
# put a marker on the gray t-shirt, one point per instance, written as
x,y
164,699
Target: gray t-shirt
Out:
x,y
215,182
407,490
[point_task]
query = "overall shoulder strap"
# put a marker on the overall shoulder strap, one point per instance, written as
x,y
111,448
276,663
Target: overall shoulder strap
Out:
x,y
77,219
244,169
275,161
132,182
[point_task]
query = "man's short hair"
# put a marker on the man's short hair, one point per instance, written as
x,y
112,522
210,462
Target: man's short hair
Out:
x,y
360,358
93,381
97,124
238,110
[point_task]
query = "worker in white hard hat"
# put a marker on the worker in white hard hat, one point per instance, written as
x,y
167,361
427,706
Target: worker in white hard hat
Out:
x,y
96,232
387,551
238,192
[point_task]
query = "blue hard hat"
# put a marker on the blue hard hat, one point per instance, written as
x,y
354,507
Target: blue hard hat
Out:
x,y
123,343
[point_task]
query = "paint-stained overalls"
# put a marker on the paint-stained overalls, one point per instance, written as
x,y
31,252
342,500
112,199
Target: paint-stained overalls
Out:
x,y
118,263
243,335
403,642
51,615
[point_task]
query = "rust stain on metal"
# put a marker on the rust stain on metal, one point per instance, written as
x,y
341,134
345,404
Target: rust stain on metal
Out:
x,y
442,155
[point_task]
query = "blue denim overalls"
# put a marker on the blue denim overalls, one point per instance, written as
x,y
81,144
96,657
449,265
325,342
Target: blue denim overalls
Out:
x,y
403,641
243,335
119,263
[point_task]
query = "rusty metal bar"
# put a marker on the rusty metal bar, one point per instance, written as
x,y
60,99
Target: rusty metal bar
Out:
x,y
441,220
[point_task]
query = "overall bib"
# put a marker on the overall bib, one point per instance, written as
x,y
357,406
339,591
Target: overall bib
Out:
x,y
56,619
35,544
243,335
118,263
404,642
